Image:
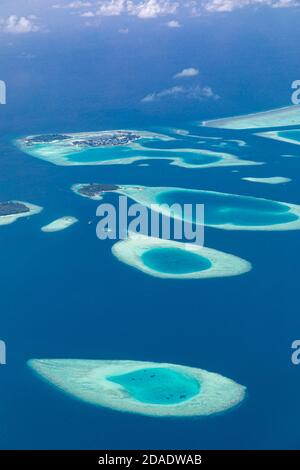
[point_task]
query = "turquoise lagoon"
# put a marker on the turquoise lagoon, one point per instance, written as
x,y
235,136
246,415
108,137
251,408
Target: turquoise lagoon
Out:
x,y
222,210
148,388
279,117
73,150
291,136
158,385
170,259
174,261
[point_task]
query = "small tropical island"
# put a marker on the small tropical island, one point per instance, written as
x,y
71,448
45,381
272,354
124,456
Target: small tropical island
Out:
x,y
45,139
12,207
101,139
94,190
10,211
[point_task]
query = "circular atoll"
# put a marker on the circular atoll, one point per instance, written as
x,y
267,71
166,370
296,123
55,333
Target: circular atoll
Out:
x,y
147,388
176,260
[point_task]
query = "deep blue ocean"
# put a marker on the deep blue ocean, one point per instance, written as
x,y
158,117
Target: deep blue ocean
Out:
x,y
64,295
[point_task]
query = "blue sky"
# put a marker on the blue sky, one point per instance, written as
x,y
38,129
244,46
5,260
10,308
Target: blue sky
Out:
x,y
147,58
33,16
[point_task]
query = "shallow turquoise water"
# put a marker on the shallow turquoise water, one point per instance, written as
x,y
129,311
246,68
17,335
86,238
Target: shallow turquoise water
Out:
x,y
293,134
100,154
197,159
174,261
158,385
116,153
237,210
94,155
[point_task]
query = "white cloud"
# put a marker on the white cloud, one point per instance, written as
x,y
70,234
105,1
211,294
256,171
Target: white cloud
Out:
x,y
285,4
123,31
145,9
27,56
88,14
187,73
152,8
111,8
175,90
229,5
173,24
19,24
198,93
214,6
74,5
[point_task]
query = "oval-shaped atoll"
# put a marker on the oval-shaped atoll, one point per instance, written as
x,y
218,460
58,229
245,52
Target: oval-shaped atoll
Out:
x,y
291,136
59,224
148,388
176,260
279,117
87,148
268,180
10,211
120,147
222,210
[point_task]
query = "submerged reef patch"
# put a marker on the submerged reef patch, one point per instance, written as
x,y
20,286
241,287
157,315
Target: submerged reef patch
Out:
x,y
170,259
59,224
200,158
268,180
288,116
147,388
291,136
